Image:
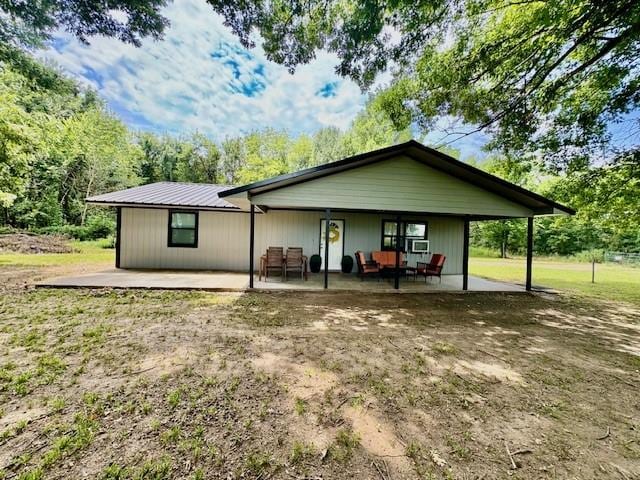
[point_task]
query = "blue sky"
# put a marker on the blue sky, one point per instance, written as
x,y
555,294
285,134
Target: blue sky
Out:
x,y
199,78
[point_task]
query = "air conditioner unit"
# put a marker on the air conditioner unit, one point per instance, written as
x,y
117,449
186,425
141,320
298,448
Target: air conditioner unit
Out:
x,y
420,246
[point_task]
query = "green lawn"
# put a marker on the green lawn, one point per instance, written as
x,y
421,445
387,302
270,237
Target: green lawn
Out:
x,y
85,253
613,282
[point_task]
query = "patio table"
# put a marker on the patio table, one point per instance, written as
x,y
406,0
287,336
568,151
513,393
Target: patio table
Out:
x,y
263,266
406,270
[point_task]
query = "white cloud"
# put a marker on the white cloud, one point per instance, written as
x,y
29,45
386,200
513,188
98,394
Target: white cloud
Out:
x,y
200,78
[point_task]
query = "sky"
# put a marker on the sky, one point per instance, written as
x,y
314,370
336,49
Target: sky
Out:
x,y
199,78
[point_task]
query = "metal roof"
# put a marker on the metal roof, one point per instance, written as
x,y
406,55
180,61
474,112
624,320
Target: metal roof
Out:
x,y
423,154
168,194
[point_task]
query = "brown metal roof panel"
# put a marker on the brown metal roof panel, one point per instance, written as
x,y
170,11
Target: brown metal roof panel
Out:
x,y
168,193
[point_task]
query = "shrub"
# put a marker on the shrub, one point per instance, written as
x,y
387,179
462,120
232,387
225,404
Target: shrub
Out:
x,y
96,227
483,252
100,227
590,256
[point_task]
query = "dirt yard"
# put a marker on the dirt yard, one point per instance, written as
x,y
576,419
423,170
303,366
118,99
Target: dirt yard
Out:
x,y
157,385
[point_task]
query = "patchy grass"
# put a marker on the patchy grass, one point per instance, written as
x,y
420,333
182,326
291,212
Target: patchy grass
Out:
x,y
613,282
301,452
344,445
161,385
300,406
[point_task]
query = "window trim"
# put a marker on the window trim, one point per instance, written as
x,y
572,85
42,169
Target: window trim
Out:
x,y
170,229
403,231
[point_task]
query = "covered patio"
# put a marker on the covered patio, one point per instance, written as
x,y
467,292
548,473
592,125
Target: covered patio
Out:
x,y
375,200
238,282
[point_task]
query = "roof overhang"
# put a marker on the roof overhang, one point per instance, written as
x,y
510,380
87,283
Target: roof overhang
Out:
x,y
163,206
538,204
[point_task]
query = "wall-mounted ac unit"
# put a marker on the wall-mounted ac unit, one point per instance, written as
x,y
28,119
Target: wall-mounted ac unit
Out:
x,y
420,246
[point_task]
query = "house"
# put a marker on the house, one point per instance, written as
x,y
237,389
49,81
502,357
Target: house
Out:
x,y
382,200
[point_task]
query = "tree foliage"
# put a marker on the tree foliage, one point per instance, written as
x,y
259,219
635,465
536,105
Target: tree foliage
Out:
x,y
541,76
59,144
605,197
29,23
545,78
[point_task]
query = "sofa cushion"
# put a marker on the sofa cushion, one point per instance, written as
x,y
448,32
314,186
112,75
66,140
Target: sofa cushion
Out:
x,y
386,258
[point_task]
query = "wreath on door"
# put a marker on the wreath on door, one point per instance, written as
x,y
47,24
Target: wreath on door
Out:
x,y
334,232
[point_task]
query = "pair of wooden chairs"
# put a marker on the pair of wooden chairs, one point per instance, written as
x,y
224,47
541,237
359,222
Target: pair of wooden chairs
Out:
x,y
277,261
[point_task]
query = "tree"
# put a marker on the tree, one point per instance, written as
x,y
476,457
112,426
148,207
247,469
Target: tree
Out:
x,y
371,129
19,139
199,161
327,146
30,23
267,155
543,77
233,160
98,156
505,236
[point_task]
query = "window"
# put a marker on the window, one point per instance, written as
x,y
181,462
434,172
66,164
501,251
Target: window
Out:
x,y
183,229
408,230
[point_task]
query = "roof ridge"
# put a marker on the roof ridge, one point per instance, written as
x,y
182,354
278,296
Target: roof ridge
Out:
x,y
171,182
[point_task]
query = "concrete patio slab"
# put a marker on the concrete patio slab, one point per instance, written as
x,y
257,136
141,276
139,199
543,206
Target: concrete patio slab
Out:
x,y
238,281
153,279
339,281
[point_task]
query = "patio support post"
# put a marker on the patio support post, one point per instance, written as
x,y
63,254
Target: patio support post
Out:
x,y
326,246
529,252
252,232
465,255
118,234
396,283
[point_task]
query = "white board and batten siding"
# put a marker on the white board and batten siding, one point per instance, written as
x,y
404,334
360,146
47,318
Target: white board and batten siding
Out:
x,y
223,238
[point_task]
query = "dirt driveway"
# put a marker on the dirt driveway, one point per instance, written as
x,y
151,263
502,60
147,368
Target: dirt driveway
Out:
x,y
135,384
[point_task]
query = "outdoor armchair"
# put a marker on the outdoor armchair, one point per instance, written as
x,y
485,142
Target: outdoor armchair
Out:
x,y
433,268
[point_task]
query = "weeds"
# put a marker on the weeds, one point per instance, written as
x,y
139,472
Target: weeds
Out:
x,y
173,398
258,462
345,443
300,406
301,452
444,348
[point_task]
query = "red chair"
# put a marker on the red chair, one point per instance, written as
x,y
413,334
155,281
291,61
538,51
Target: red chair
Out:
x,y
365,268
433,268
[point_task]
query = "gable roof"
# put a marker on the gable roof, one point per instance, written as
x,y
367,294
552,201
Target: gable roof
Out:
x,y
168,194
426,155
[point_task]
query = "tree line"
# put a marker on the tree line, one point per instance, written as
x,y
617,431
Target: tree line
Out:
x,y
59,143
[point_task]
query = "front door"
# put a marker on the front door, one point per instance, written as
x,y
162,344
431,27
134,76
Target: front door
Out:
x,y
336,242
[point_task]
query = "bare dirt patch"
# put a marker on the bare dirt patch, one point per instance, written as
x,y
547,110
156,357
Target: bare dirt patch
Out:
x,y
112,384
31,243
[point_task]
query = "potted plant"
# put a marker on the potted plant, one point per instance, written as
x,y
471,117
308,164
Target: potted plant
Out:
x,y
347,264
315,262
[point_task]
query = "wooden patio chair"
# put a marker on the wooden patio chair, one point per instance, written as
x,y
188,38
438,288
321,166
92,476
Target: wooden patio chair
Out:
x,y
366,268
275,258
433,268
294,262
